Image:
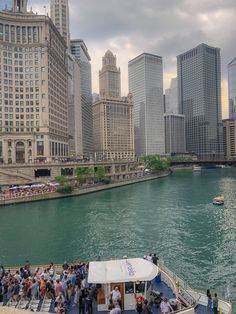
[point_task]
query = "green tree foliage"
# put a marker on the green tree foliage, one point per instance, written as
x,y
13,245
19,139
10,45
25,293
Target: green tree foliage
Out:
x,y
84,174
65,188
100,173
155,163
61,179
182,158
106,180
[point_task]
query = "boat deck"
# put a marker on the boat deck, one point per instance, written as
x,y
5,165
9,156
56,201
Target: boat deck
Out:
x,y
48,306
159,286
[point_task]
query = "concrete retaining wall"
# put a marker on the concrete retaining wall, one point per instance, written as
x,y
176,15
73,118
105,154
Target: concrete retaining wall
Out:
x,y
81,191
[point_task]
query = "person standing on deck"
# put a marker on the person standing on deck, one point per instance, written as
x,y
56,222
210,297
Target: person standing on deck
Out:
x,y
139,306
115,295
166,307
154,259
209,299
146,308
215,304
149,257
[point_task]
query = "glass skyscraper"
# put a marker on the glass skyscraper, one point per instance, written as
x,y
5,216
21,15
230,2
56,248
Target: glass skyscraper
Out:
x,y
80,52
146,86
232,88
199,98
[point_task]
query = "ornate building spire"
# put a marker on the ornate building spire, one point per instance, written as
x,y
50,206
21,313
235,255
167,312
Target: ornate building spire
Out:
x,y
109,77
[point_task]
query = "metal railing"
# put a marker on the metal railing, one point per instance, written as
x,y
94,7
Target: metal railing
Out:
x,y
188,295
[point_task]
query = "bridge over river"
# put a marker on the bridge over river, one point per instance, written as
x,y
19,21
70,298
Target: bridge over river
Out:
x,y
203,162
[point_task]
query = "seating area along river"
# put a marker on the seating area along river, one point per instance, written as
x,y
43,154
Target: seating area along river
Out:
x,y
173,217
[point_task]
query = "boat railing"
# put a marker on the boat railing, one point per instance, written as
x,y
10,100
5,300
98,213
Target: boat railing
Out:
x,y
203,300
177,285
190,296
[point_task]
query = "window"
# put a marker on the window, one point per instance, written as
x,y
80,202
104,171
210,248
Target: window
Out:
x,y
1,31
129,287
40,148
139,287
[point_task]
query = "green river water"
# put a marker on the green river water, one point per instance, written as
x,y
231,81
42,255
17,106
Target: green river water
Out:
x,y
173,217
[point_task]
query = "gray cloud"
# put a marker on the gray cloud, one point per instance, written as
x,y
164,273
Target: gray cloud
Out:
x,y
164,27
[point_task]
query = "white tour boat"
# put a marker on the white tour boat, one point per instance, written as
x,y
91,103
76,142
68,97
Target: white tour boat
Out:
x,y
137,277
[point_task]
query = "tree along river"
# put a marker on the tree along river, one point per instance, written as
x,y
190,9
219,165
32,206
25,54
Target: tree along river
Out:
x,y
173,217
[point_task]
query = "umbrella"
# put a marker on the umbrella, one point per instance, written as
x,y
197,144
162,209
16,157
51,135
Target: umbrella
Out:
x,y
14,188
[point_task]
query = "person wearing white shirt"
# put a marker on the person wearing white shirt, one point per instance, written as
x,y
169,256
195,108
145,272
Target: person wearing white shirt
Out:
x,y
149,257
166,307
115,295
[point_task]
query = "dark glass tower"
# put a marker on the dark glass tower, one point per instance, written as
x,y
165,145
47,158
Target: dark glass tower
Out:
x,y
199,98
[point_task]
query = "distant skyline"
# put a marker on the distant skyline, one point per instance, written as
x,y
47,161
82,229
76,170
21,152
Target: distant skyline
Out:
x,y
165,27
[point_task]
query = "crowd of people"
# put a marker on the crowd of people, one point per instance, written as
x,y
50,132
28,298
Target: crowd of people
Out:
x,y
66,287
14,192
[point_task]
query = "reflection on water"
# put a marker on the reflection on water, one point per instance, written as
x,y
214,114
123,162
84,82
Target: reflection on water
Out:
x,y
173,217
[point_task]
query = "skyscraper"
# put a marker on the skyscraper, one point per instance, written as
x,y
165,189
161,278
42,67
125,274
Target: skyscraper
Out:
x,y
171,97
33,95
112,116
80,52
146,86
199,93
59,11
109,77
232,88
74,108
229,138
175,133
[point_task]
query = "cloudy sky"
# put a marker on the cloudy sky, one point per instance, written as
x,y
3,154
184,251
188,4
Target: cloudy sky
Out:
x,y
163,27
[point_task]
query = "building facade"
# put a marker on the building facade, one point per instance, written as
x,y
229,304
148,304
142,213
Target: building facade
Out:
x,y
146,86
109,77
229,138
113,128
80,52
33,98
171,97
175,142
74,109
199,94
232,88
59,12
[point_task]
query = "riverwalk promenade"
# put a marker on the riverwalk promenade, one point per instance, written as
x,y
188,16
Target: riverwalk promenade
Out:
x,y
79,191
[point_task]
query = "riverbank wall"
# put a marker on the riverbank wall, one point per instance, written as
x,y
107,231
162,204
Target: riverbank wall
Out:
x,y
82,191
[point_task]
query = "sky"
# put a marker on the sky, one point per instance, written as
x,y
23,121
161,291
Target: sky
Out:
x,y
163,27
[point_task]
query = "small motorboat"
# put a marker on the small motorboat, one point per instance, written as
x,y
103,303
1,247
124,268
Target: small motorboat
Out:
x,y
218,200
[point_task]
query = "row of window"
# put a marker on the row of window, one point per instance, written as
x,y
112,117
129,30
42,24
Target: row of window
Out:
x,y
19,34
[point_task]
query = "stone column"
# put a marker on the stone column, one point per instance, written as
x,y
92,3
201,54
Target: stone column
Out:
x,y
13,151
5,151
26,152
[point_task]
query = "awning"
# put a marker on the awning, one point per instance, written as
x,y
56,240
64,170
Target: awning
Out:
x,y
124,270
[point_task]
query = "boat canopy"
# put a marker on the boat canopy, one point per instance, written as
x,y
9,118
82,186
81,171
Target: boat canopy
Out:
x,y
123,270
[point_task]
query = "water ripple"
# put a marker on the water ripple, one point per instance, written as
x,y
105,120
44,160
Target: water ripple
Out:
x,y
173,217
